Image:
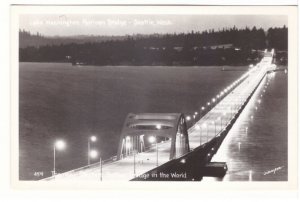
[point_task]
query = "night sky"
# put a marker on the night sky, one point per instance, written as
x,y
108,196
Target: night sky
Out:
x,y
84,24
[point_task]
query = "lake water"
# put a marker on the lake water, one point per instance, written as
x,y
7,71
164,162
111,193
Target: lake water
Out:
x,y
60,101
256,147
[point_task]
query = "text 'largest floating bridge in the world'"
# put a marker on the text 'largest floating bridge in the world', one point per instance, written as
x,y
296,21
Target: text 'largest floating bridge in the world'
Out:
x,y
171,146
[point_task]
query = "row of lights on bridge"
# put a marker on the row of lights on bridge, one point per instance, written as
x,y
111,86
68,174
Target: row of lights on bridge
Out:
x,y
197,127
223,92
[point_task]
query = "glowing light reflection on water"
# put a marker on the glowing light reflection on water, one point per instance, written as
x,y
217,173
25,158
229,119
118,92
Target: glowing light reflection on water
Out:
x,y
256,147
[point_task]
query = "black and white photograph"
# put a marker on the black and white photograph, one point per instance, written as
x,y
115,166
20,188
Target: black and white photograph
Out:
x,y
182,93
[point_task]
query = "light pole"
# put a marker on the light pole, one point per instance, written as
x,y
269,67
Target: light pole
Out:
x,y
128,145
94,154
158,126
156,151
220,119
205,126
214,100
197,127
59,145
134,168
208,105
100,168
91,139
201,112
215,127
188,118
200,134
224,114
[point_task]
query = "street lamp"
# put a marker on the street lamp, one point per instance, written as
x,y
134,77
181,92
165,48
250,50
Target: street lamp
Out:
x,y
59,145
188,118
194,119
151,139
201,112
91,139
93,154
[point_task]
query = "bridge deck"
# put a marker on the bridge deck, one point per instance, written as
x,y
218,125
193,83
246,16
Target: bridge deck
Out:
x,y
202,131
215,121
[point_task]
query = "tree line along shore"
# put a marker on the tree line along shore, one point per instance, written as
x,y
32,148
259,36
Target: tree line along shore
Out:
x,y
223,47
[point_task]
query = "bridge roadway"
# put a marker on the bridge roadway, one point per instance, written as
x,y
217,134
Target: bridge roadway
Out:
x,y
201,132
